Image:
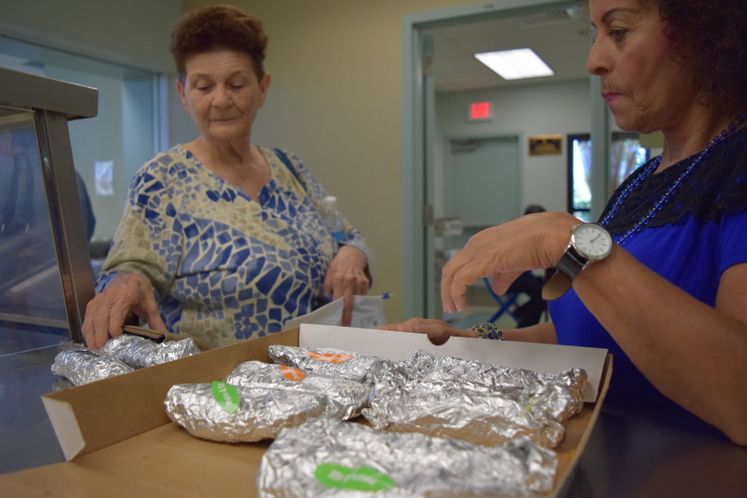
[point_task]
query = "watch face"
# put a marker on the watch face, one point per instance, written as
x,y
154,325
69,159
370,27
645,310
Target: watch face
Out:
x,y
592,241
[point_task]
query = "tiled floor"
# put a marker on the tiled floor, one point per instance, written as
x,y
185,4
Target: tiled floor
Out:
x,y
26,436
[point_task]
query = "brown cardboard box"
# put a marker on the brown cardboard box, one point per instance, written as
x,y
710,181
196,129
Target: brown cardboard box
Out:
x,y
121,443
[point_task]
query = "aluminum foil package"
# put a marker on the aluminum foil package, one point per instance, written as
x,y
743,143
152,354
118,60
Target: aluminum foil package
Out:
x,y
473,401
139,352
324,361
81,366
326,458
222,412
344,397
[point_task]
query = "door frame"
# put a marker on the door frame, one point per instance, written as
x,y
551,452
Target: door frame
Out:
x,y
416,215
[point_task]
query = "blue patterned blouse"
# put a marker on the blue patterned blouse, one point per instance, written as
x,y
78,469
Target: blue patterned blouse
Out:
x,y
224,266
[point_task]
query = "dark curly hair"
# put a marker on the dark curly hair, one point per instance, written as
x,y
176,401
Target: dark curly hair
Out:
x,y
710,38
218,27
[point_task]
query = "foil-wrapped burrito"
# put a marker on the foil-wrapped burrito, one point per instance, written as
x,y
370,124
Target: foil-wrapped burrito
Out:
x,y
139,352
473,401
344,397
324,361
326,458
80,366
222,412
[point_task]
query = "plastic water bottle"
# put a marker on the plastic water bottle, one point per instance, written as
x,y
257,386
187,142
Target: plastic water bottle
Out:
x,y
332,218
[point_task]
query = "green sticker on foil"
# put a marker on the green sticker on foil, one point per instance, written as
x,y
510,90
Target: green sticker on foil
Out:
x,y
226,396
338,476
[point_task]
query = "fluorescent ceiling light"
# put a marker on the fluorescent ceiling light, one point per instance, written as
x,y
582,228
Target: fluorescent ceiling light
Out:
x,y
515,64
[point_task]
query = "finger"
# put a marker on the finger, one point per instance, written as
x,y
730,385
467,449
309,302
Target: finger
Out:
x,y
459,283
152,314
347,310
100,324
117,317
327,286
390,326
361,285
87,328
438,338
446,277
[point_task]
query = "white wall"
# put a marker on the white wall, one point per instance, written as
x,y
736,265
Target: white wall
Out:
x,y
535,109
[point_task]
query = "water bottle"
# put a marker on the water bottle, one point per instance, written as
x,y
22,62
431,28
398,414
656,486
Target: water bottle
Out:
x,y
332,218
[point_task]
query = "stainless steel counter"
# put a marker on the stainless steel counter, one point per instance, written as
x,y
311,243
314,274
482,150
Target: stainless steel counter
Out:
x,y
632,453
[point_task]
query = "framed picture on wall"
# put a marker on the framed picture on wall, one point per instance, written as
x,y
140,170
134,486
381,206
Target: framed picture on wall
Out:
x,y
545,145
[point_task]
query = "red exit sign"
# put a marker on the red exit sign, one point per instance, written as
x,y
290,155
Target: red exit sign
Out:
x,y
480,111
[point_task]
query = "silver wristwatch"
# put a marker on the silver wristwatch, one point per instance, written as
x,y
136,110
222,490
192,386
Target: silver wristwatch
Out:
x,y
590,242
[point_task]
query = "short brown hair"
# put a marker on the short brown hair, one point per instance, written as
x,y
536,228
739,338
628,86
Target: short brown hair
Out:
x,y
218,27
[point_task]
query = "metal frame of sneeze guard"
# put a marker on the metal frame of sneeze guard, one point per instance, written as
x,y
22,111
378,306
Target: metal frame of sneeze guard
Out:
x,y
53,103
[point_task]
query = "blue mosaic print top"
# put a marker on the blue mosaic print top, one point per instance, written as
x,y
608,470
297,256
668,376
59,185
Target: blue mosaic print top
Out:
x,y
223,266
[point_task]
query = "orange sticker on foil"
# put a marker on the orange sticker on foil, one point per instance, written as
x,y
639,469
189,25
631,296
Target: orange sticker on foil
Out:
x,y
292,374
330,357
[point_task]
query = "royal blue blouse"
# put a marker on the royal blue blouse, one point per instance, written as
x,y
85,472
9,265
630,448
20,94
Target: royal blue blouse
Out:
x,y
700,233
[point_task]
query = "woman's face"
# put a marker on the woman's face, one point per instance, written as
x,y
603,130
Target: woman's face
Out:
x,y
222,94
645,88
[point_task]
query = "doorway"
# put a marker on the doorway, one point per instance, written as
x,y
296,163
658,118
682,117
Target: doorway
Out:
x,y
478,190
436,101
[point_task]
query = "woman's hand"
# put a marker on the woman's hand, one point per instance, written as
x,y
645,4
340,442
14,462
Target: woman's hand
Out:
x,y
438,331
504,252
346,277
107,312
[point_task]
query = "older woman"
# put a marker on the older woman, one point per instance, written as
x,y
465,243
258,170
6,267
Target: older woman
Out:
x,y
222,239
661,281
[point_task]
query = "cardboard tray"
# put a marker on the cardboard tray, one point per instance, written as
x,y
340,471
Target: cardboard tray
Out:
x,y
120,441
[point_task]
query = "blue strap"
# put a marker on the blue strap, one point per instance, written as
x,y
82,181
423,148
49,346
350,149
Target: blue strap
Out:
x,y
284,158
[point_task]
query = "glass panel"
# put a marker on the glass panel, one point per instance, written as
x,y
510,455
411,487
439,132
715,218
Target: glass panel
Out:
x,y
32,311
30,286
115,143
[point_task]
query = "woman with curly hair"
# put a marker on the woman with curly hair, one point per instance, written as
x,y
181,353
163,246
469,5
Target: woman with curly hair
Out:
x,y
221,239
661,279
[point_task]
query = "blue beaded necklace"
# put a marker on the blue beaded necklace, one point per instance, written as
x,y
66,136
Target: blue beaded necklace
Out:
x,y
649,169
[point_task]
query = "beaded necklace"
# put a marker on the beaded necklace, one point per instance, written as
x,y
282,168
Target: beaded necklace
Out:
x,y
651,166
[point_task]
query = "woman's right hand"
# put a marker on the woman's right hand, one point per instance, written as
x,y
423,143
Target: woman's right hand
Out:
x,y
107,312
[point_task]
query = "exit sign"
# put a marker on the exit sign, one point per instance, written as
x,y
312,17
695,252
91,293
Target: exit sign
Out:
x,y
480,111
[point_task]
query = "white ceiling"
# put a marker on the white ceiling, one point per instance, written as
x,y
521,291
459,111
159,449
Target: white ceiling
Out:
x,y
559,36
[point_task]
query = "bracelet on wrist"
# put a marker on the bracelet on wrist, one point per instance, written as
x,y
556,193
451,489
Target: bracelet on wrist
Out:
x,y
488,330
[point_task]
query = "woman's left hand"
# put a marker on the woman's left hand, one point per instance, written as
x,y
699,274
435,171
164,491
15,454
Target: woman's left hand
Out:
x,y
346,278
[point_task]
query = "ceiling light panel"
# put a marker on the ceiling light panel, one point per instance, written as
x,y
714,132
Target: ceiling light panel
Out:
x,y
515,64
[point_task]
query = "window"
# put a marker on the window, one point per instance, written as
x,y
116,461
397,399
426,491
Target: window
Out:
x,y
626,154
